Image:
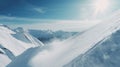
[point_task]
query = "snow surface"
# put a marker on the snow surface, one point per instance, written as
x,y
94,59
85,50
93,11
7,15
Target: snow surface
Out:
x,y
59,54
4,60
7,52
13,43
17,46
106,53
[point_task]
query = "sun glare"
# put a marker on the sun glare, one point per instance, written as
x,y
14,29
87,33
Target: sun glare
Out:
x,y
100,6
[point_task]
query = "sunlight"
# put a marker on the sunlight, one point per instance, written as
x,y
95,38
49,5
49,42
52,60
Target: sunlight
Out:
x,y
101,6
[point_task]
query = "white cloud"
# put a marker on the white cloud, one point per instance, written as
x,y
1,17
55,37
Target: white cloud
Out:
x,y
49,24
6,17
65,25
2,17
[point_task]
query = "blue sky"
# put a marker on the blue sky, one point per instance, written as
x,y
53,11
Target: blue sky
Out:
x,y
43,9
33,11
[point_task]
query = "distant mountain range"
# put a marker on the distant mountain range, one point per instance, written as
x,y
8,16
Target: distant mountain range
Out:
x,y
47,35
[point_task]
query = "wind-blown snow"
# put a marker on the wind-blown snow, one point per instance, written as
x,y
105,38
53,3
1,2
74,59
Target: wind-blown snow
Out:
x,y
58,54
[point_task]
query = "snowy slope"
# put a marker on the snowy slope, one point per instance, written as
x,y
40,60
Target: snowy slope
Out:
x,y
59,54
7,52
26,37
13,43
4,60
104,54
91,37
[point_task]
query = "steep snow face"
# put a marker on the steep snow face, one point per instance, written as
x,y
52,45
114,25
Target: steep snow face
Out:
x,y
16,41
91,37
26,37
105,54
60,54
6,29
13,43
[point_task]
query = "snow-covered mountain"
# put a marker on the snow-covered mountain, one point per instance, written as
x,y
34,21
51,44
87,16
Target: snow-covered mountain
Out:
x,y
14,43
59,54
106,53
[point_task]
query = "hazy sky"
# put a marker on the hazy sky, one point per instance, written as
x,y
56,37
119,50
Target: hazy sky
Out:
x,y
33,11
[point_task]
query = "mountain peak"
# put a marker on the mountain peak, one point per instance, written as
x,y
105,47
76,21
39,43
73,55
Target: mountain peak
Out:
x,y
3,25
19,29
6,29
